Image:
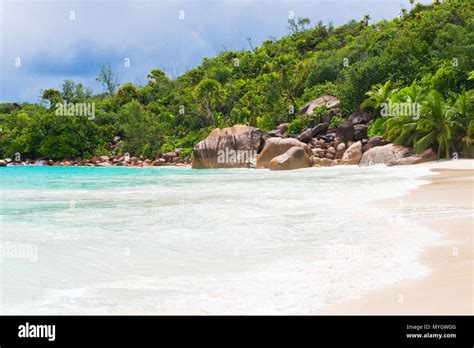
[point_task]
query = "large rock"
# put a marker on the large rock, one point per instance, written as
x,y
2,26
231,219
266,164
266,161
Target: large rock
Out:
x,y
3,163
353,154
305,136
360,116
319,129
228,148
275,147
294,158
327,100
375,141
360,131
345,131
392,154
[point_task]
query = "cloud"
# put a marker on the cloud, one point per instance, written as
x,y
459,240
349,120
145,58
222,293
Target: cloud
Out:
x,y
72,39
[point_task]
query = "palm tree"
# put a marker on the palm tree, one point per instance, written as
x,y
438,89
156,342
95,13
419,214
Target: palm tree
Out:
x,y
463,121
366,19
411,3
378,95
412,94
435,127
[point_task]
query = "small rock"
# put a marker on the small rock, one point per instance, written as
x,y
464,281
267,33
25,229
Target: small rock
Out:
x,y
374,142
283,127
353,154
329,155
305,136
360,131
340,150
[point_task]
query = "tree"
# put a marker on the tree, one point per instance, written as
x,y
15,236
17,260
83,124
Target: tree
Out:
x,y
157,76
107,78
366,19
208,93
51,95
299,25
378,95
126,93
68,90
463,109
412,3
435,127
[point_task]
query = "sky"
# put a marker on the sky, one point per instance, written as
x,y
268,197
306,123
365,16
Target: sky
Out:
x,y
43,43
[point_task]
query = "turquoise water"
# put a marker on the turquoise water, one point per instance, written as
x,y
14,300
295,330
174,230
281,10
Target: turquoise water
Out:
x,y
88,240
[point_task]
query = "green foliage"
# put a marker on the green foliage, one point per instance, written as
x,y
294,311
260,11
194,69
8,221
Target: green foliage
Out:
x,y
376,127
299,123
126,93
378,95
335,121
402,61
443,125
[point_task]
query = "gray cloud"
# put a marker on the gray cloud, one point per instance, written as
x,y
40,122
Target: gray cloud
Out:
x,y
53,47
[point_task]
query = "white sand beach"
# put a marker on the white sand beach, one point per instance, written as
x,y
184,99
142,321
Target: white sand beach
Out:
x,y
449,287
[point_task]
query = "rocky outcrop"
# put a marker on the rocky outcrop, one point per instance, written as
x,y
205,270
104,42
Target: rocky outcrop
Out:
x,y
360,131
353,154
319,129
278,132
108,161
228,148
392,154
345,131
305,136
295,158
326,100
275,147
375,141
360,116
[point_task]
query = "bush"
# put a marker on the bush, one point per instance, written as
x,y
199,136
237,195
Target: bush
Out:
x,y
299,123
376,127
335,121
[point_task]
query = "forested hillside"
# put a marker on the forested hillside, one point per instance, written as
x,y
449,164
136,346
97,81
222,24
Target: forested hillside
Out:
x,y
424,56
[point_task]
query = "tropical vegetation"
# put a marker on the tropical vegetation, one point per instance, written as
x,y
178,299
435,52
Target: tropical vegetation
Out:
x,y
423,57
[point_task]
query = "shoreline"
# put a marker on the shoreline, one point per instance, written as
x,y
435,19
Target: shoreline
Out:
x,y
448,289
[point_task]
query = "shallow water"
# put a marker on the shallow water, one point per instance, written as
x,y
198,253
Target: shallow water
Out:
x,y
176,240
